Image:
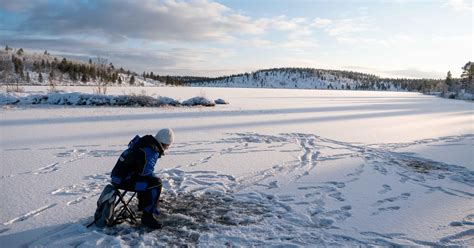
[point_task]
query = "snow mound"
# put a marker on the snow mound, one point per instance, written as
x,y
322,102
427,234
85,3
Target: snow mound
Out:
x,y
81,99
221,101
168,101
6,98
199,100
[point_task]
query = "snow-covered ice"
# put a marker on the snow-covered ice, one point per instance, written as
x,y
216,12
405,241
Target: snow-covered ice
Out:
x,y
274,168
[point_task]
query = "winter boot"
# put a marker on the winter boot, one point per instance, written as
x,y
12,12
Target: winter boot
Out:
x,y
148,219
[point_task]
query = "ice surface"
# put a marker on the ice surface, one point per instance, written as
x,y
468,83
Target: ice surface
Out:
x,y
274,168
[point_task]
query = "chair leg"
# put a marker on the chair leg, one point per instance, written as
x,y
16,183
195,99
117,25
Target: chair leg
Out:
x,y
124,208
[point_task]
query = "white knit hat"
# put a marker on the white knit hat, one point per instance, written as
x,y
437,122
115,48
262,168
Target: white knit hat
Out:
x,y
165,136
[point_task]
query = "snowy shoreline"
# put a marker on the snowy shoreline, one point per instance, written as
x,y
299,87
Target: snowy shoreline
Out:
x,y
84,99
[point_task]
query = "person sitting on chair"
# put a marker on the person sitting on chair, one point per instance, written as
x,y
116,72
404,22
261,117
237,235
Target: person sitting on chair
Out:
x,y
134,172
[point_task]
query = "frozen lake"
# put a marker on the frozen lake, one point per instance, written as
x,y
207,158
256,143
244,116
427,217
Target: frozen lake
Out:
x,y
301,167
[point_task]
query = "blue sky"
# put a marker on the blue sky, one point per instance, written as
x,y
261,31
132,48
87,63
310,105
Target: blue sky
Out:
x,y
399,38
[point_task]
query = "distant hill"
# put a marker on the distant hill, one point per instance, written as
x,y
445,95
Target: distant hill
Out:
x,y
310,78
18,67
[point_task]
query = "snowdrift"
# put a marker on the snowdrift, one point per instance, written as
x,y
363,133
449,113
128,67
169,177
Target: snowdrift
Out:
x,y
84,99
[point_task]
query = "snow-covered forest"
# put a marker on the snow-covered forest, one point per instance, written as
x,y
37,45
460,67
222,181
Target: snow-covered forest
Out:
x,y
310,78
18,67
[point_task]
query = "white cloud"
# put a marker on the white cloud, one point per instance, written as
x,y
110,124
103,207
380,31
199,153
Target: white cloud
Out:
x,y
362,41
295,34
338,27
171,20
300,39
460,5
409,72
321,23
282,23
257,42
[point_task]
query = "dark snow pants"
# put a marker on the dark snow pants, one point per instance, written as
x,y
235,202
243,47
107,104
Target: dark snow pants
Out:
x,y
148,189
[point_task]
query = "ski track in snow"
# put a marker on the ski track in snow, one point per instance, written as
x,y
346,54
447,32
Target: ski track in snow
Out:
x,y
28,215
202,206
67,156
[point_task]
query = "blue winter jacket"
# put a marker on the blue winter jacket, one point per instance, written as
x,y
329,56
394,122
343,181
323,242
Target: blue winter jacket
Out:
x,y
138,159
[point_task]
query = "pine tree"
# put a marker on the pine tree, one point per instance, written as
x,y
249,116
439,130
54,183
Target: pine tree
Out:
x,y
18,64
73,75
52,76
132,80
35,66
84,78
63,65
52,83
449,80
40,77
467,76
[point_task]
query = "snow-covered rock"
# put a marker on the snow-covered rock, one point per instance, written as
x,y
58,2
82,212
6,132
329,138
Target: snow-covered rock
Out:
x,y
199,100
75,98
168,101
221,101
6,98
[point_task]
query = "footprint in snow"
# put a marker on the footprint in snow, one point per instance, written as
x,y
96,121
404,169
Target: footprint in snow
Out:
x,y
386,188
186,216
384,209
403,196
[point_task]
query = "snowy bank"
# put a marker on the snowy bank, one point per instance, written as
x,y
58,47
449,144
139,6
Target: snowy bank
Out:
x,y
84,99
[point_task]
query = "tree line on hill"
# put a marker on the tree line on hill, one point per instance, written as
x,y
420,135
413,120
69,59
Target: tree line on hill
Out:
x,y
169,80
363,81
15,67
50,68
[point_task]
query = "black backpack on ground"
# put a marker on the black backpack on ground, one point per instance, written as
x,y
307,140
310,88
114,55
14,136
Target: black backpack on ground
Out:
x,y
104,214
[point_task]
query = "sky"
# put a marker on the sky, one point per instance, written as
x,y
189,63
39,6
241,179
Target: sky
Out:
x,y
398,38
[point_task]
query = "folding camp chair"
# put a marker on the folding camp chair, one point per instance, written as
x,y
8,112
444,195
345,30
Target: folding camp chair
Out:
x,y
122,211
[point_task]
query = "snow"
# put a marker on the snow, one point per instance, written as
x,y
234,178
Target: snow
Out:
x,y
274,168
75,98
198,100
220,101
